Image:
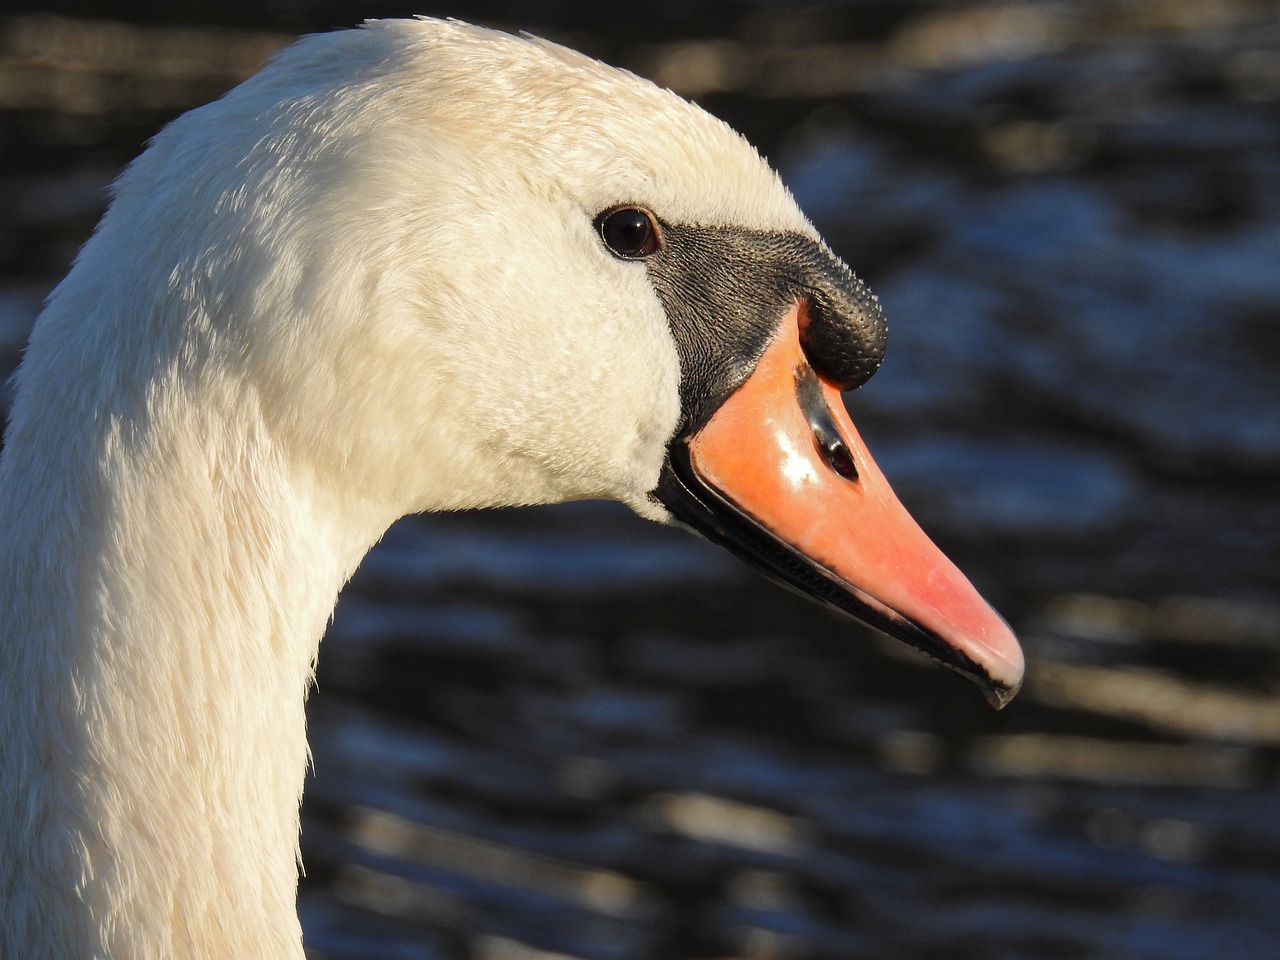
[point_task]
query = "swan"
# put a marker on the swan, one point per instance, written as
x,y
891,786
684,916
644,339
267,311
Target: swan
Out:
x,y
413,266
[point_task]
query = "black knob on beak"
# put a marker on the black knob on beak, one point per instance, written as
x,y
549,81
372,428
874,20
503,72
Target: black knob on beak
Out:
x,y
842,330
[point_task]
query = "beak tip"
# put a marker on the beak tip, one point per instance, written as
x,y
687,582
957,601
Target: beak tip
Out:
x,y
1005,670
999,694
1001,664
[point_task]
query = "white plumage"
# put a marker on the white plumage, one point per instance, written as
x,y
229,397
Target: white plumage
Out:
x,y
364,283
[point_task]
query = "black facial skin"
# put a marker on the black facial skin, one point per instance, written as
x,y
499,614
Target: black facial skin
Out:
x,y
725,291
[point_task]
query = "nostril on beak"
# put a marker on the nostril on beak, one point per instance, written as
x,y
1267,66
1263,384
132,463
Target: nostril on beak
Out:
x,y
831,446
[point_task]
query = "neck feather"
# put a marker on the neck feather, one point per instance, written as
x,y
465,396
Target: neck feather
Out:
x,y
165,582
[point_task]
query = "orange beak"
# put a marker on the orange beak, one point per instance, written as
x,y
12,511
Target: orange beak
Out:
x,y
779,474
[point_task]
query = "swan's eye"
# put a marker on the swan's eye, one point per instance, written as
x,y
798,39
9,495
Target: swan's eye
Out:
x,y
628,232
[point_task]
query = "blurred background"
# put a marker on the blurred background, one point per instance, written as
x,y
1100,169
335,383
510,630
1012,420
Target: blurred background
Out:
x,y
566,733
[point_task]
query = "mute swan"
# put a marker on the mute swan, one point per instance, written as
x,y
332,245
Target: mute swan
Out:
x,y
414,266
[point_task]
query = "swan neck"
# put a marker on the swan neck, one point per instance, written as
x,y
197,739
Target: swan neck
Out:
x,y
167,579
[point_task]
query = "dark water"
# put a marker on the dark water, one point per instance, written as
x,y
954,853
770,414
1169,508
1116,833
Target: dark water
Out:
x,y
566,732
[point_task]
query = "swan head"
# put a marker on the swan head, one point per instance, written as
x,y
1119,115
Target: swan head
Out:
x,y
453,268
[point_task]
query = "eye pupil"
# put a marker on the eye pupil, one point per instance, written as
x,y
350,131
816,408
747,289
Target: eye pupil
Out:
x,y
629,232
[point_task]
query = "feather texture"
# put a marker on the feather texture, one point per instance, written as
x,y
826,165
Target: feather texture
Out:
x,y
362,284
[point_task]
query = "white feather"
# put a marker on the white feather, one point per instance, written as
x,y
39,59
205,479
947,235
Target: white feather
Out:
x,y
364,283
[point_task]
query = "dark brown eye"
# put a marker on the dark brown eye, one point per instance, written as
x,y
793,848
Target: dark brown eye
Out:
x,y
628,232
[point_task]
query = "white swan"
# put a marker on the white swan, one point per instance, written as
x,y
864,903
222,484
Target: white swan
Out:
x,y
416,266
